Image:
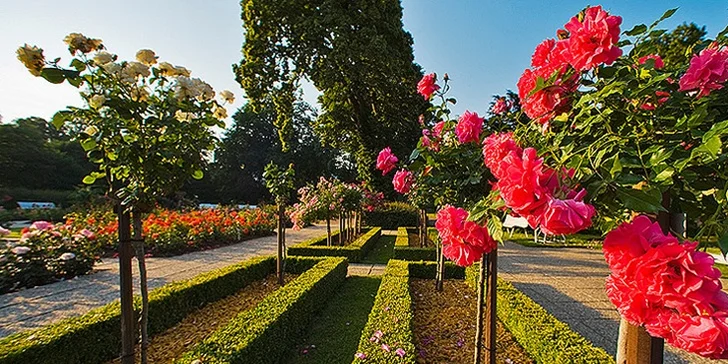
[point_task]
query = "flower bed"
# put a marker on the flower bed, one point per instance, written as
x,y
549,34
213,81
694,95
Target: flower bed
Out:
x,y
265,333
96,336
170,232
355,251
46,253
404,250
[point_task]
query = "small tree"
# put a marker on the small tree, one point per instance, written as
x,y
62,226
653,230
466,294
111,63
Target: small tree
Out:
x,y
280,185
147,125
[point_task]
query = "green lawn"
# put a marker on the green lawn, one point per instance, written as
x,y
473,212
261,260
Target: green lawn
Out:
x,y
333,335
382,252
571,241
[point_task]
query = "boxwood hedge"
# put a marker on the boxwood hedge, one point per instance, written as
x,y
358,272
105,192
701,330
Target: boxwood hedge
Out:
x,y
391,215
543,336
96,336
266,332
355,251
403,251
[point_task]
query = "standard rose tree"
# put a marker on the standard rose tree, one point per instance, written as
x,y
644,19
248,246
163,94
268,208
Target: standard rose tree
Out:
x,y
148,127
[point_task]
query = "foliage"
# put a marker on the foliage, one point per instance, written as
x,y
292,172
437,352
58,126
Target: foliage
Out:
x,y
356,54
403,251
46,253
263,334
146,125
170,232
331,197
382,251
354,251
53,215
95,336
545,338
392,215
278,181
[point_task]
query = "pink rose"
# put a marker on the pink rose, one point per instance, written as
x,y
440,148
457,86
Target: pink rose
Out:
x,y
41,225
659,63
550,56
547,103
520,187
631,240
403,181
437,129
463,242
499,107
566,216
593,39
469,127
427,86
495,148
708,71
386,161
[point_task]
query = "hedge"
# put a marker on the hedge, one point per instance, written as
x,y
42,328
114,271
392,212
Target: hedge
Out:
x,y
392,215
393,314
96,336
355,251
543,336
266,332
403,251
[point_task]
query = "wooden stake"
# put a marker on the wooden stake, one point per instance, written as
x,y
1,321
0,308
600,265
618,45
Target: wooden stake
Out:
x,y
128,328
480,302
491,297
281,237
138,240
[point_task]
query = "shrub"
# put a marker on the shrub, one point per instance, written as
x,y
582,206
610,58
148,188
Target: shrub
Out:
x,y
95,337
59,197
543,336
354,252
403,251
53,215
46,253
266,332
392,215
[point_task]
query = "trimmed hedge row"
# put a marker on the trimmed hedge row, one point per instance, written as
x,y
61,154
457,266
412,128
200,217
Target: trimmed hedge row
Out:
x,y
393,314
403,251
266,332
355,251
96,336
543,336
391,215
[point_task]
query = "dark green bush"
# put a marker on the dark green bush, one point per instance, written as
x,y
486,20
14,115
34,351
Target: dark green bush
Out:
x,y
354,252
543,336
266,332
403,251
52,215
392,313
392,215
59,197
427,270
96,336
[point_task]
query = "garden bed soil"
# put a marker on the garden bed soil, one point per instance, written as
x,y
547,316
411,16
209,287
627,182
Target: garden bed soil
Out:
x,y
414,239
444,325
175,341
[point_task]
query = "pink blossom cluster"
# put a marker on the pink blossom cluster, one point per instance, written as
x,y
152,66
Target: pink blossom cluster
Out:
x,y
403,179
463,242
427,86
670,288
708,71
534,191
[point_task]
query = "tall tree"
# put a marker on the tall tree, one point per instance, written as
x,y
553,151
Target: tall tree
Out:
x,y
355,52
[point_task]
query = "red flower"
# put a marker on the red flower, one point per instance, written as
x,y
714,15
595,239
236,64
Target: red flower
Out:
x,y
520,186
593,39
704,335
495,148
402,181
427,86
461,254
659,63
499,107
469,127
567,216
550,56
708,71
437,129
463,242
547,103
386,161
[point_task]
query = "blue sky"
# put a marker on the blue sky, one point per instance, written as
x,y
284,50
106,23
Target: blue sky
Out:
x,y
483,45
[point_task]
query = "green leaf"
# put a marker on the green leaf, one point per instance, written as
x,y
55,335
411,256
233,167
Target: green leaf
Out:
x,y
641,200
616,166
88,144
78,65
414,155
664,16
718,129
495,228
637,30
59,119
53,75
710,147
665,175
89,180
198,174
723,244
723,34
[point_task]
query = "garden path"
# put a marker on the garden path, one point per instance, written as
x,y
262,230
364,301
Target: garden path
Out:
x,y
42,305
569,284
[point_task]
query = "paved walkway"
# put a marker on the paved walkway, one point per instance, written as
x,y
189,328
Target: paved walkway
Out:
x,y
366,269
42,305
569,283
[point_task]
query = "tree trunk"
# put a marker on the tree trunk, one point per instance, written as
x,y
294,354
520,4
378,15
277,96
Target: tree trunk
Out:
x,y
281,242
139,247
480,301
440,275
491,298
328,231
128,328
341,230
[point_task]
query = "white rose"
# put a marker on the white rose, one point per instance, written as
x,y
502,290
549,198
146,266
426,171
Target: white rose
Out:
x,y
112,68
20,250
183,116
227,96
68,256
146,56
96,101
102,58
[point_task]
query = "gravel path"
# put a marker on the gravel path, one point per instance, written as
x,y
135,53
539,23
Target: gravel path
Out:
x,y
42,305
569,284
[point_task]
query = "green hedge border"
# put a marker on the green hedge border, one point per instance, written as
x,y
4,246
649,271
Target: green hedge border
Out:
x,y
355,251
96,336
543,336
403,251
265,333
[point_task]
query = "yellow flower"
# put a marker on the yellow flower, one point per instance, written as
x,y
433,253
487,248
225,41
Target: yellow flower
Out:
x,y
102,58
32,58
220,113
183,116
132,70
78,42
204,90
146,56
166,69
96,101
112,68
227,96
